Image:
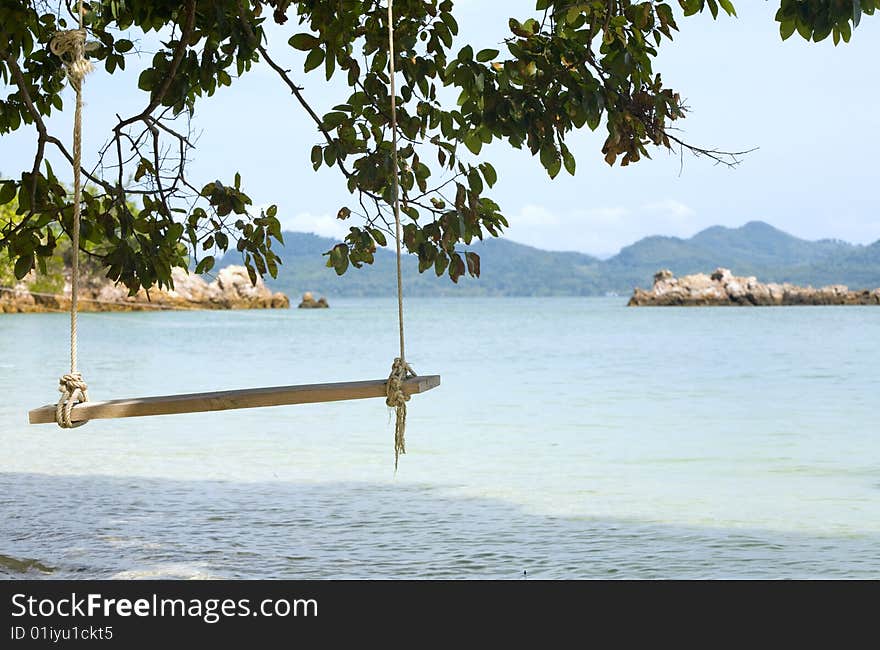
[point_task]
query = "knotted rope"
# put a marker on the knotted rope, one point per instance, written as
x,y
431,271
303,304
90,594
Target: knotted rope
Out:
x,y
70,47
73,391
400,369
397,399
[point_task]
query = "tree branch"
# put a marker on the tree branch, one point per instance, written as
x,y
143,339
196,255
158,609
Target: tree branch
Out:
x,y
296,90
182,43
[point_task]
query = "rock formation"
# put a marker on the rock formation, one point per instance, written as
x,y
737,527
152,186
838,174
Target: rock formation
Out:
x,y
231,289
309,302
724,288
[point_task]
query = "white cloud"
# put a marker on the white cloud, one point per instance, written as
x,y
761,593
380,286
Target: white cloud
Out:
x,y
672,208
325,225
603,230
536,216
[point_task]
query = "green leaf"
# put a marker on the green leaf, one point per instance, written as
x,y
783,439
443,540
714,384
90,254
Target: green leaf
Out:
x,y
821,34
147,79
727,5
314,59
339,259
664,13
551,161
205,265
713,7
473,142
786,28
252,274
23,265
329,66
474,181
484,56
568,159
691,6
804,29
7,192
489,174
450,22
379,236
304,42
334,119
440,264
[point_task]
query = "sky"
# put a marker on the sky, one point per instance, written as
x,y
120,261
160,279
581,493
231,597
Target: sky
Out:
x,y
810,109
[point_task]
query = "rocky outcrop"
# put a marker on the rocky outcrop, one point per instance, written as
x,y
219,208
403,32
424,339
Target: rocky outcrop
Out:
x,y
309,302
18,299
230,289
724,288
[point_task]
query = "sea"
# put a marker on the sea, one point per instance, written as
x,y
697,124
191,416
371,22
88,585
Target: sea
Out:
x,y
570,438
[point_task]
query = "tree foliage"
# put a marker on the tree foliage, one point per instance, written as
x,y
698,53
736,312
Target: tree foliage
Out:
x,y
50,278
573,64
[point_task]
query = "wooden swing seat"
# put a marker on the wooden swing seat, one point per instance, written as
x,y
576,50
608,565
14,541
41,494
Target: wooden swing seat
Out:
x,y
232,399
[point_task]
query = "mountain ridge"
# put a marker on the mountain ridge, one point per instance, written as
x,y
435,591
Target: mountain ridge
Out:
x,y
514,269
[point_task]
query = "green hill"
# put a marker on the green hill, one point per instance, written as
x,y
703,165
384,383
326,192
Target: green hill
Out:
x,y
756,249
511,269
516,269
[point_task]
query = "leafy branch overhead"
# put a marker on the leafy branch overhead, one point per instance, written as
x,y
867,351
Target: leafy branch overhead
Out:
x,y
568,66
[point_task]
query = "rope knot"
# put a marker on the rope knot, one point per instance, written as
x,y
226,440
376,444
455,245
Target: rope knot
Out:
x,y
74,390
70,46
396,398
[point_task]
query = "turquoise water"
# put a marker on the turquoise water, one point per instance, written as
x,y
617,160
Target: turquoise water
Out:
x,y
571,438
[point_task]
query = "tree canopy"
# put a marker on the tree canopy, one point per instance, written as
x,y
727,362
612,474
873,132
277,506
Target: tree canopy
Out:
x,y
572,64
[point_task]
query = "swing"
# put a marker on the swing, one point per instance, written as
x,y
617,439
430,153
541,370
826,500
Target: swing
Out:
x,y
74,408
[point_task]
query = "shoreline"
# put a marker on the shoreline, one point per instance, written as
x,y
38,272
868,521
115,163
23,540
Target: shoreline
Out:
x,y
723,289
231,289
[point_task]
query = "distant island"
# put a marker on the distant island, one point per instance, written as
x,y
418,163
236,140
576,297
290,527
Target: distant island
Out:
x,y
722,288
511,269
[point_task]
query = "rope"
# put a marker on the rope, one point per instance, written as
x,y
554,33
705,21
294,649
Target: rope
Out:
x,y
400,369
397,400
73,391
396,180
70,47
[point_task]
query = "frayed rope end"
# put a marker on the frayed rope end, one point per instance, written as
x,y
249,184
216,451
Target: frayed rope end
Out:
x,y
397,399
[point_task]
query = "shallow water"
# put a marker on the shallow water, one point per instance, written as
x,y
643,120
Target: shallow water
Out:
x,y
570,438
